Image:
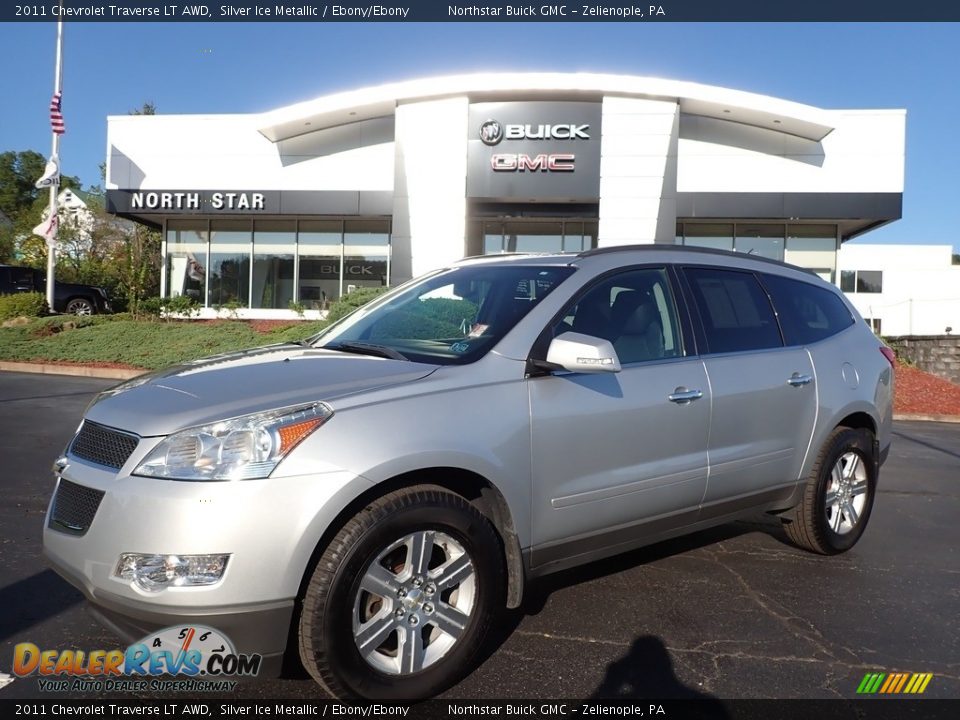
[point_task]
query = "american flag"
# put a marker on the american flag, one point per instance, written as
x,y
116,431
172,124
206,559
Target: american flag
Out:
x,y
56,117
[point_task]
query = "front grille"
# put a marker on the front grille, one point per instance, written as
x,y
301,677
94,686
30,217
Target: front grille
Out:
x,y
103,445
74,507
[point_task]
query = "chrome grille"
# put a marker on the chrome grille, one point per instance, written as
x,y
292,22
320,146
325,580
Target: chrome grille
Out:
x,y
103,445
74,507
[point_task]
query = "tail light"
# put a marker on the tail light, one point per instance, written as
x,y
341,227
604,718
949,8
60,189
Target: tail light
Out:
x,y
889,355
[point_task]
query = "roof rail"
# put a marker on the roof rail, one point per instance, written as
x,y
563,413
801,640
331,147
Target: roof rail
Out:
x,y
690,249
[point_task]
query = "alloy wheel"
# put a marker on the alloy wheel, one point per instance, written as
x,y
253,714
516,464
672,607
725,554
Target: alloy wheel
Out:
x,y
414,602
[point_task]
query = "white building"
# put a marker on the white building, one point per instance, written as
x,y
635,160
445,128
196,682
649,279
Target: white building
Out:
x,y
74,216
377,185
903,289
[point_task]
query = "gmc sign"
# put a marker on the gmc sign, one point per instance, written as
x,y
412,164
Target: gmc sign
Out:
x,y
520,162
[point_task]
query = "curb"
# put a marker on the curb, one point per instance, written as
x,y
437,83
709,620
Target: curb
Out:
x,y
927,417
75,370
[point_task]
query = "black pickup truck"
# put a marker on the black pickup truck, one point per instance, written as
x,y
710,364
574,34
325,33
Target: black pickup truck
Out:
x,y
68,297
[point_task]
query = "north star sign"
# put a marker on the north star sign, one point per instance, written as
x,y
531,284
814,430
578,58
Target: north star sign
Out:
x,y
170,200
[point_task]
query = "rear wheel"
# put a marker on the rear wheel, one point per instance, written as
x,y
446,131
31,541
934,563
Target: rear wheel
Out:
x,y
838,497
402,597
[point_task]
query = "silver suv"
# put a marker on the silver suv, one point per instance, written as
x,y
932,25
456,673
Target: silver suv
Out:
x,y
378,493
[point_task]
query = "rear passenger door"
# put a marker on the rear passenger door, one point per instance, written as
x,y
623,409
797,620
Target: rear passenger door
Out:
x,y
764,395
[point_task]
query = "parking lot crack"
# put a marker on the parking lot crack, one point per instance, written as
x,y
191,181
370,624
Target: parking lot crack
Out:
x,y
573,638
797,626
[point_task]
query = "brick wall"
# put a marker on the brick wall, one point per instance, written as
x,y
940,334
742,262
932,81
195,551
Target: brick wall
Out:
x,y
937,354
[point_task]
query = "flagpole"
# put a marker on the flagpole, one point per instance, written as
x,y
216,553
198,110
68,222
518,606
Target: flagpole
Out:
x,y
55,153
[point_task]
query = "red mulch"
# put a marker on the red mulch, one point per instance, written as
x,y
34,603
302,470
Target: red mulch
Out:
x,y
916,391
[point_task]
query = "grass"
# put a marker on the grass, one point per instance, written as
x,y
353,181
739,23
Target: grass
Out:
x,y
149,344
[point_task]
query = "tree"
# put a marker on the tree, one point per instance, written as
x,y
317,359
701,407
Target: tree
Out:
x,y
18,173
148,108
956,258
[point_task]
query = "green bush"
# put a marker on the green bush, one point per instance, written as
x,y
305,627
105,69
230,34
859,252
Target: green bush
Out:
x,y
151,306
348,303
181,306
23,304
298,307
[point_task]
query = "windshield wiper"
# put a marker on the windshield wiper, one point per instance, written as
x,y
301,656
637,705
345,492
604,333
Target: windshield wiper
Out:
x,y
301,343
362,348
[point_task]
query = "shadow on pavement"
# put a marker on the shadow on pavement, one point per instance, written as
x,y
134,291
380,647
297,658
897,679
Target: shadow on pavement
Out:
x,y
32,600
930,445
646,671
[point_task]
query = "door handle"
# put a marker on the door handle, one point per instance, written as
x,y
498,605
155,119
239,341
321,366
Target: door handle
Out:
x,y
682,396
796,380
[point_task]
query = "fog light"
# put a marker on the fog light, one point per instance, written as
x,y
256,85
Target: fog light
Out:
x,y
156,572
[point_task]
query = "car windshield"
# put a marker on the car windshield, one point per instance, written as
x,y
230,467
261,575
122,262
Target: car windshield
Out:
x,y
450,317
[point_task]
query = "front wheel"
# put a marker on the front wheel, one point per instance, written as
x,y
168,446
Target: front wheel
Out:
x,y
838,497
80,306
401,599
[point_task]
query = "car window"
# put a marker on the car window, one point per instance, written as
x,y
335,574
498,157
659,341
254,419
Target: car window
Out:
x,y
734,309
634,310
21,277
807,313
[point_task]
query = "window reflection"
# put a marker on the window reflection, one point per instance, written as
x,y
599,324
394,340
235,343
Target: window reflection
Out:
x,y
535,236
229,263
267,264
274,246
186,259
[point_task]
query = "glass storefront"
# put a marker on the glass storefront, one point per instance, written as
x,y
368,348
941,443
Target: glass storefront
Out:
x,y
536,235
269,264
186,260
229,280
813,247
274,247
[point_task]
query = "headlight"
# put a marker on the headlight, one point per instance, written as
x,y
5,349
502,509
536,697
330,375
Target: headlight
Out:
x,y
245,448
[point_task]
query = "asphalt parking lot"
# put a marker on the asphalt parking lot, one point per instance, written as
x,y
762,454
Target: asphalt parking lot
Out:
x,y
735,612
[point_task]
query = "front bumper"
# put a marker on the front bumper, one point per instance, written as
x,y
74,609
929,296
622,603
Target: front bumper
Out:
x,y
270,528
261,628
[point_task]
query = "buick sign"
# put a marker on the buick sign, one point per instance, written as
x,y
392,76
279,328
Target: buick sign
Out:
x,y
492,132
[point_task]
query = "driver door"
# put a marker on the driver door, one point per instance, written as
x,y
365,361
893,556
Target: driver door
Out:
x,y
617,457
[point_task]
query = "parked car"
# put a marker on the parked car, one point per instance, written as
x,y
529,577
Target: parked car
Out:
x,y
72,298
380,492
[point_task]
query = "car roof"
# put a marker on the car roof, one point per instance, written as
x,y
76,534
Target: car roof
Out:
x,y
660,252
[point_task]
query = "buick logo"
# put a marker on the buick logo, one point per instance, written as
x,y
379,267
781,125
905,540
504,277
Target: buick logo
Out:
x,y
491,132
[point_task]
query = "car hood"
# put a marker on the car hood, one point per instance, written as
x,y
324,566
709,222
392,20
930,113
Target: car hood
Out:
x,y
226,386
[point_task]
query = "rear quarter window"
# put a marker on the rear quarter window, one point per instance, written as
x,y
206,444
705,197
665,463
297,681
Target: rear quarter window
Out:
x,y
807,313
735,311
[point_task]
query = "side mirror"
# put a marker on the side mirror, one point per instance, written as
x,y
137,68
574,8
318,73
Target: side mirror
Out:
x,y
577,352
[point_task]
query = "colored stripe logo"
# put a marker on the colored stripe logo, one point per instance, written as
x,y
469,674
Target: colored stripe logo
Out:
x,y
894,683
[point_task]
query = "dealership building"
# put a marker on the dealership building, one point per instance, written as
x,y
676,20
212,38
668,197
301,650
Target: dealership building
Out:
x,y
372,187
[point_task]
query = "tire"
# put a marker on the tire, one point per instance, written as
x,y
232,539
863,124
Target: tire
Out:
x,y
402,658
80,306
838,496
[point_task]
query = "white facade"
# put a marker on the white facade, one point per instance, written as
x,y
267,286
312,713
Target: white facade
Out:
x,y
919,287
586,160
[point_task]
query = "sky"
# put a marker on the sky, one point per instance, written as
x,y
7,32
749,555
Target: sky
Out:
x,y
113,68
